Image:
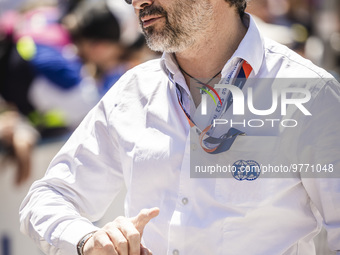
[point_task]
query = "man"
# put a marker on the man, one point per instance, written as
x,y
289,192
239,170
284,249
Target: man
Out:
x,y
149,131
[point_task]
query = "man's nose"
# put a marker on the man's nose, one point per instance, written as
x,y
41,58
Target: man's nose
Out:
x,y
141,4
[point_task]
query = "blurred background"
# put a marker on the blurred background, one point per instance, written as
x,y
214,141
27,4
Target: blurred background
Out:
x,y
59,57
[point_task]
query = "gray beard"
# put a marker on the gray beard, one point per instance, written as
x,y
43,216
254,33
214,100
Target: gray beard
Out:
x,y
168,40
182,29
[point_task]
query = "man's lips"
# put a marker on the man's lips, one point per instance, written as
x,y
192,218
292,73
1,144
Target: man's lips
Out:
x,y
149,20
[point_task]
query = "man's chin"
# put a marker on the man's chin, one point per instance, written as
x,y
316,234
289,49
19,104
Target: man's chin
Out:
x,y
162,42
157,47
164,47
155,42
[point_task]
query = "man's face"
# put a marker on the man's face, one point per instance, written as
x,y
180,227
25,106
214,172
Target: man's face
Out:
x,y
176,24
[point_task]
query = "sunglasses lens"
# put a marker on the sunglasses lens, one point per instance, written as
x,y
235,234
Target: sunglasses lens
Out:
x,y
128,1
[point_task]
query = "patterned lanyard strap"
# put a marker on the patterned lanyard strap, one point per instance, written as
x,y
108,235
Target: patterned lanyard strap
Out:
x,y
215,145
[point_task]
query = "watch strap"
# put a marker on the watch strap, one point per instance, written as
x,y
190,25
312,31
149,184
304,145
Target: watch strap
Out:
x,y
83,240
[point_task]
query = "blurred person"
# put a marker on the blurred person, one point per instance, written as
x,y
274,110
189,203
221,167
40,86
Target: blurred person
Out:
x,y
67,6
149,130
299,18
38,47
265,19
287,22
107,35
17,140
324,47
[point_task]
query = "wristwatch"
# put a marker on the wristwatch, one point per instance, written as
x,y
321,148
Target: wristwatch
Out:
x,y
81,243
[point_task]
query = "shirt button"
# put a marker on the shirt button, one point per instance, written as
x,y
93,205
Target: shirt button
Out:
x,y
175,252
185,201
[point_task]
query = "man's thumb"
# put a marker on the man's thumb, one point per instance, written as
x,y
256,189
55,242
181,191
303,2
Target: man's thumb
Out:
x,y
144,217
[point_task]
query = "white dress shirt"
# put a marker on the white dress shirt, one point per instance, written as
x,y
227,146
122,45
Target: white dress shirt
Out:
x,y
139,136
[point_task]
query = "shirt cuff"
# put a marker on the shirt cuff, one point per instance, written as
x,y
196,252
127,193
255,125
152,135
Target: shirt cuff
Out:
x,y
72,234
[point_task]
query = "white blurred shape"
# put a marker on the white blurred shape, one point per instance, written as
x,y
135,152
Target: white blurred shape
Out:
x,y
280,34
74,103
130,29
314,49
335,41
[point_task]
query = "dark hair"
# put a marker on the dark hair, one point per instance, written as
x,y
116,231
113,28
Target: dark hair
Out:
x,y
95,21
239,4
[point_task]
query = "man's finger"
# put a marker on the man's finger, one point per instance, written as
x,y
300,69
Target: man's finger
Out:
x,y
131,234
144,217
119,240
99,243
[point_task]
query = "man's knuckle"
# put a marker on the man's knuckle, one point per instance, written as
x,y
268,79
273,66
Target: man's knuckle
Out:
x,y
134,236
107,247
122,244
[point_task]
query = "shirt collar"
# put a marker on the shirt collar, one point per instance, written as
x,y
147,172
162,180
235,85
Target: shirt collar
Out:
x,y
251,49
169,63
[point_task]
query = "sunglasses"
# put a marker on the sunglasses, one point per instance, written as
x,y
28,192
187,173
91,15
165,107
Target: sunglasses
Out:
x,y
128,1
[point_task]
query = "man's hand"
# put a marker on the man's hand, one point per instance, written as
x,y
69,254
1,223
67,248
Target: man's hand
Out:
x,y
121,236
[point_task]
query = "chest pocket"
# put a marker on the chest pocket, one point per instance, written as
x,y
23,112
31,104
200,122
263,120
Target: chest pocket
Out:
x,y
252,154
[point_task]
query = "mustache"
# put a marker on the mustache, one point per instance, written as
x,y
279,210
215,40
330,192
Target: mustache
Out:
x,y
152,10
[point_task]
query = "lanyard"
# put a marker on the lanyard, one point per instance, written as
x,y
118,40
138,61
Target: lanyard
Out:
x,y
215,145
